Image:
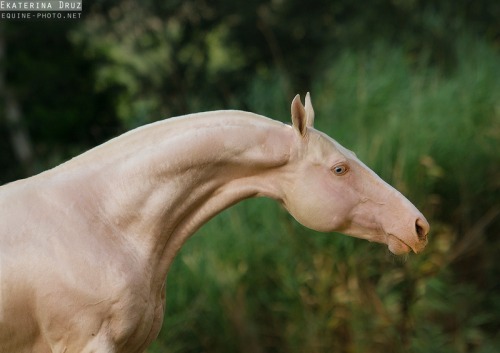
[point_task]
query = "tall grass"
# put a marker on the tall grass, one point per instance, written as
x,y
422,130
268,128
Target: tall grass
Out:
x,y
253,280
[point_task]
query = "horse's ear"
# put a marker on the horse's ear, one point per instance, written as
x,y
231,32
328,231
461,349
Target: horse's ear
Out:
x,y
299,116
309,111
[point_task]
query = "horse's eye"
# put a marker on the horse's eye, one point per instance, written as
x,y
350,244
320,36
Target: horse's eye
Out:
x,y
340,169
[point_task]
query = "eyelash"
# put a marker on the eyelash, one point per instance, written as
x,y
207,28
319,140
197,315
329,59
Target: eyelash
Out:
x,y
340,169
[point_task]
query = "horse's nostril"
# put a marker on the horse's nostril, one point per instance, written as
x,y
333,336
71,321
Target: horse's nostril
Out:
x,y
421,229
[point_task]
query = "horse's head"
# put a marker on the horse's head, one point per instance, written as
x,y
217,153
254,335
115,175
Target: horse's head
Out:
x,y
332,190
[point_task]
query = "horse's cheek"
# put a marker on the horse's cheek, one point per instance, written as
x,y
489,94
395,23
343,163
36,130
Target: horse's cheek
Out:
x,y
324,206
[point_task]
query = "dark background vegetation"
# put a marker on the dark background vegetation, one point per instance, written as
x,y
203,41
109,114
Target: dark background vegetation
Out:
x,y
412,86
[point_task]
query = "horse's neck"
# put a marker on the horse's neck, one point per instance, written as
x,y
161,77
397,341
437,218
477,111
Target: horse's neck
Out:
x,y
159,184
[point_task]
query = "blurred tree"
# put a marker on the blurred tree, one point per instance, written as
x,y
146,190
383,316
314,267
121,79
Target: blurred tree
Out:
x,y
155,54
14,127
50,108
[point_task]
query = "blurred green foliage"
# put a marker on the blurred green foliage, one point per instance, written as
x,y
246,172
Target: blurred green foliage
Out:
x,y
412,86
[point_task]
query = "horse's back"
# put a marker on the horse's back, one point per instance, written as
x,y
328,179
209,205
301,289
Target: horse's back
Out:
x,y
19,331
63,273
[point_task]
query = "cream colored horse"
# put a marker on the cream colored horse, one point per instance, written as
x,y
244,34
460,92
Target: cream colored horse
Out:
x,y
85,247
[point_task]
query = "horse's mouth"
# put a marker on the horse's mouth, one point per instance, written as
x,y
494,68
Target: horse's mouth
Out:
x,y
397,246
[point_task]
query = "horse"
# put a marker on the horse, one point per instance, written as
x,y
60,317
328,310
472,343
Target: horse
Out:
x,y
85,247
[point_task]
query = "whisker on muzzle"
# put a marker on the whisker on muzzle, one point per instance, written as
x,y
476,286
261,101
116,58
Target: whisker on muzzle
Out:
x,y
398,259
